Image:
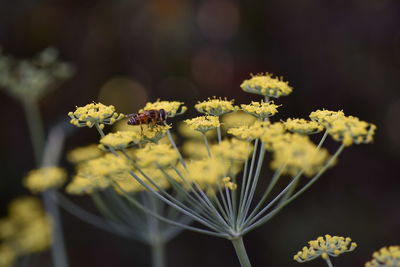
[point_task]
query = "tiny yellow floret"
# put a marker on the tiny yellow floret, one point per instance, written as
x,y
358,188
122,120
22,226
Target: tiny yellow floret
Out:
x,y
45,178
156,155
82,154
237,119
302,126
203,123
261,110
119,140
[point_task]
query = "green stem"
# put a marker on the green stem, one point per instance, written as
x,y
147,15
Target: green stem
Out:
x,y
171,140
219,134
36,131
158,258
207,146
328,261
241,252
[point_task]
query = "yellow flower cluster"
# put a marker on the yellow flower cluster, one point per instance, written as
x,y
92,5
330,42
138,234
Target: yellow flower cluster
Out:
x,y
94,113
215,106
302,126
194,149
227,182
188,132
203,123
172,108
154,134
251,132
82,154
232,150
297,153
261,110
45,178
119,140
325,247
156,155
386,256
266,85
349,130
26,230
99,173
236,119
326,117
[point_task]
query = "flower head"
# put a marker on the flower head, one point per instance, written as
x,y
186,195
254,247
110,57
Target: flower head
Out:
x,y
302,126
326,117
215,106
273,135
237,119
266,85
172,108
325,247
8,255
386,256
297,153
155,133
188,132
94,113
45,178
349,130
194,149
203,123
80,186
119,140
261,110
251,132
232,150
156,155
85,153
29,80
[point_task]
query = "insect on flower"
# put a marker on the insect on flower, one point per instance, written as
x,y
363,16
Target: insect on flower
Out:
x,y
148,117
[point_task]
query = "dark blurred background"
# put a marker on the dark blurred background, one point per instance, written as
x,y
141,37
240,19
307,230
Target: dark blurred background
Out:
x,y
336,55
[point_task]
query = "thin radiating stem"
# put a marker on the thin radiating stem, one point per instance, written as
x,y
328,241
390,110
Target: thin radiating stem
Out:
x,y
241,252
207,146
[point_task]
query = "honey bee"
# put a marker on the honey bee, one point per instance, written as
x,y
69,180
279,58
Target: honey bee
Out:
x,y
147,117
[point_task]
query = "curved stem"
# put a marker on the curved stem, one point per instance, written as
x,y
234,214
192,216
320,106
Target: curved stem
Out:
x,y
241,252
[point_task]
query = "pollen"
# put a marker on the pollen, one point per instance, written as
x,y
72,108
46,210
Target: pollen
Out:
x,y
261,110
172,108
324,247
203,124
326,117
45,178
215,106
266,85
386,256
94,113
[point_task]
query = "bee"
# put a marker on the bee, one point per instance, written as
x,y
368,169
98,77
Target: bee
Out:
x,y
147,117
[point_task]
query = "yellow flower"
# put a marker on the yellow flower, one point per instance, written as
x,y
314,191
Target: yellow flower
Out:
x,y
232,150
45,178
266,85
32,229
94,113
131,185
172,108
119,140
326,117
80,186
203,123
215,107
207,173
325,247
237,119
227,182
302,126
296,152
261,110
251,132
272,135
349,130
188,132
82,154
194,149
156,155
386,256
8,255
155,133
